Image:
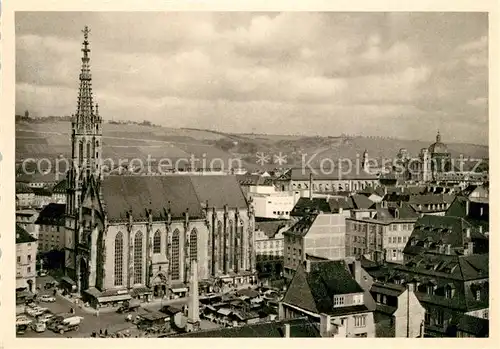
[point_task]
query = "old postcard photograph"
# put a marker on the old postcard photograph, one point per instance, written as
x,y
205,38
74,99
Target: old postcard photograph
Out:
x,y
248,174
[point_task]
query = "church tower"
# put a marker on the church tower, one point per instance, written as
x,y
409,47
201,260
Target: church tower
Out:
x,y
86,135
85,164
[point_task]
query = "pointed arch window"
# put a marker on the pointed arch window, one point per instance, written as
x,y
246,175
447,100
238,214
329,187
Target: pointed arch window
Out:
x,y
119,259
231,242
220,242
138,258
80,150
89,154
175,255
157,242
193,245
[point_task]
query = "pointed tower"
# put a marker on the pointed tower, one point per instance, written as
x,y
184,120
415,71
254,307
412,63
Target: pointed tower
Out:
x,y
193,322
85,165
86,134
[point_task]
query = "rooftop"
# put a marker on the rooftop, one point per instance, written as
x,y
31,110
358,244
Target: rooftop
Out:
x,y
52,214
22,236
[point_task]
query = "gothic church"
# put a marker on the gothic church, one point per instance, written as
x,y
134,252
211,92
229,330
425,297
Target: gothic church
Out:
x,y
137,235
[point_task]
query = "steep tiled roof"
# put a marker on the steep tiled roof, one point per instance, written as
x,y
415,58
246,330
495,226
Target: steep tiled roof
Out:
x,y
314,290
52,214
301,327
219,191
361,201
388,212
471,324
430,232
307,205
177,192
139,193
42,192
61,187
301,227
271,227
478,214
22,236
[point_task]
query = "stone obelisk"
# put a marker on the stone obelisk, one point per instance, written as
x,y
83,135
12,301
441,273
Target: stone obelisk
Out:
x,y
193,321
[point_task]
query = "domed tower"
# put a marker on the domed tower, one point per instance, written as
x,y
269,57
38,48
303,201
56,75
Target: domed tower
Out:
x,y
440,157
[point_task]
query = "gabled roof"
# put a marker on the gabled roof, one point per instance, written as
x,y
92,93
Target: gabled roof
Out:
x,y
175,192
52,214
471,324
361,201
314,291
395,211
431,231
271,227
219,191
61,187
478,213
22,236
158,193
42,192
301,227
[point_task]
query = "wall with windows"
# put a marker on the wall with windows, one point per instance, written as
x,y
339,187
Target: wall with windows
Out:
x,y
50,237
293,253
273,205
326,237
26,265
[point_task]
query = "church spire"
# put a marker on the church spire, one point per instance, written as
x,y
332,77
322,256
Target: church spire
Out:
x,y
85,116
438,137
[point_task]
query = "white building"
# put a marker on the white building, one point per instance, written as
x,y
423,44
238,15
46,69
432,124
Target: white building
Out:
x,y
269,203
26,250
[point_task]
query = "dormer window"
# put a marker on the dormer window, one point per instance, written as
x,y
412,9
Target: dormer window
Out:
x,y
449,291
338,301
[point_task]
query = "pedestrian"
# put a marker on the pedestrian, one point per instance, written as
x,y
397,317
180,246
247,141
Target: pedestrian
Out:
x,y
100,331
106,332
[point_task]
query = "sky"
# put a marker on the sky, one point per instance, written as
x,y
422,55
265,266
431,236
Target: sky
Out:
x,y
398,74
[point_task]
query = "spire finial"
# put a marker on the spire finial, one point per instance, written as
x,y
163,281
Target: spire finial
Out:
x,y
86,32
438,137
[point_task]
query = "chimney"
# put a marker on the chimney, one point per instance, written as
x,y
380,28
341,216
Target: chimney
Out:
x,y
481,211
340,210
467,204
481,229
470,248
357,270
411,287
325,325
287,330
308,265
467,233
448,249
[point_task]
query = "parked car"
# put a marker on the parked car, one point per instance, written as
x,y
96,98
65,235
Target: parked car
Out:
x,y
47,298
38,326
45,317
42,272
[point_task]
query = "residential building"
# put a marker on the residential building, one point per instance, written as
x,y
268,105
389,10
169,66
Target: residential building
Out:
x,y
26,219
59,192
50,224
26,251
269,246
382,235
25,197
332,181
327,289
318,234
398,311
269,203
43,197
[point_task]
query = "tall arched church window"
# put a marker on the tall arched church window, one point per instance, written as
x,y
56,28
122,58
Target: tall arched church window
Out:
x,y
118,259
157,242
193,245
138,258
89,154
175,255
80,151
220,242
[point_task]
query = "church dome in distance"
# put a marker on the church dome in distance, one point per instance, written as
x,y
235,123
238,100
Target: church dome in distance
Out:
x,y
438,147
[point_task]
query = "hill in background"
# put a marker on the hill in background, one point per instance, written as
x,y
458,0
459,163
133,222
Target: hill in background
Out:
x,y
128,141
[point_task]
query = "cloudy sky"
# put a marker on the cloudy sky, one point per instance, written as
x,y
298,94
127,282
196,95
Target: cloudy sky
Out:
x,y
403,75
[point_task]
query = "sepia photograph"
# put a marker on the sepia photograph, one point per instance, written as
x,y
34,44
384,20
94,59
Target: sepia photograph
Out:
x,y
251,174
